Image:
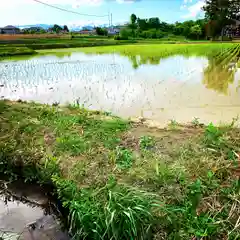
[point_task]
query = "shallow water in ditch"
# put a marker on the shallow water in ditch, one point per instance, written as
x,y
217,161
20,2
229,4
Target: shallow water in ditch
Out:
x,y
176,87
25,214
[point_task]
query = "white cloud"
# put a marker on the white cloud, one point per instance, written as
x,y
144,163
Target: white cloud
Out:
x,y
81,23
98,22
194,9
125,1
184,6
79,3
24,12
73,3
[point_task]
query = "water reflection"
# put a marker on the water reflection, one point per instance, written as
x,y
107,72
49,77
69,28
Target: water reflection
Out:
x,y
157,87
139,60
218,76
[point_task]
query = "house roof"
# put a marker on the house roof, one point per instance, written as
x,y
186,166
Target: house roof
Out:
x,y
10,27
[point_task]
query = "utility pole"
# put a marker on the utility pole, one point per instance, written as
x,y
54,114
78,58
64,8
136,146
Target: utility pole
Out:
x,y
111,21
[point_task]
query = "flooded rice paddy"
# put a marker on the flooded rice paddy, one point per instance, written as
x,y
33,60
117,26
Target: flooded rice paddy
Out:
x,y
180,87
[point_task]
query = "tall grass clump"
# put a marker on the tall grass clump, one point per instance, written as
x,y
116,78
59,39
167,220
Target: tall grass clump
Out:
x,y
112,212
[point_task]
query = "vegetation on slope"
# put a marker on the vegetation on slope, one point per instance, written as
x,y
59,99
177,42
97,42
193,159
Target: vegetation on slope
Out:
x,y
28,46
12,50
124,180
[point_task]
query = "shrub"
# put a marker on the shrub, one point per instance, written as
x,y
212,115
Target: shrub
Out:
x,y
152,33
124,158
213,136
124,34
146,142
224,38
117,37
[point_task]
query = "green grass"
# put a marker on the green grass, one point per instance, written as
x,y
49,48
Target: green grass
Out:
x,y
12,51
161,50
122,180
29,46
25,46
142,53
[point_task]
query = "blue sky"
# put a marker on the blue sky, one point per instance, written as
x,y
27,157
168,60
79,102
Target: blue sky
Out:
x,y
22,12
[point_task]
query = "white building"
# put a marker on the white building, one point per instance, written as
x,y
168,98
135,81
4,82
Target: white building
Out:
x,y
113,31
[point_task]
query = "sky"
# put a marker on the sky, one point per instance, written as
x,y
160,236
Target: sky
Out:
x,y
26,12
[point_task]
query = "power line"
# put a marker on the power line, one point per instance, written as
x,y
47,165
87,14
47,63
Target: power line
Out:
x,y
62,9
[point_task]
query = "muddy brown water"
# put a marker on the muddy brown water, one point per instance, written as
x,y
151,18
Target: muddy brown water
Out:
x,y
27,213
176,87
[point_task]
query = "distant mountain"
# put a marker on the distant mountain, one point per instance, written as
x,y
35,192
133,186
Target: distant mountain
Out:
x,y
73,27
44,26
76,27
47,26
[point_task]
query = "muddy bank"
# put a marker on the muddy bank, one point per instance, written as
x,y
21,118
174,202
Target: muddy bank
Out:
x,y
27,212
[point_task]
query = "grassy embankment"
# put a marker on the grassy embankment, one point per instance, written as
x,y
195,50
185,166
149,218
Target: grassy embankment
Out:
x,y
124,180
26,44
162,50
21,45
13,51
151,50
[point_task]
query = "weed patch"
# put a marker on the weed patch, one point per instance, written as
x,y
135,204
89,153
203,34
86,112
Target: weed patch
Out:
x,y
122,181
146,142
124,158
103,213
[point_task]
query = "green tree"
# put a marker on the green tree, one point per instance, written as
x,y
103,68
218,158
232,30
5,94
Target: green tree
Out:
x,y
101,31
155,28
133,27
202,23
221,13
133,18
187,28
221,9
32,31
65,28
142,24
42,31
154,23
196,31
56,28
166,27
178,29
124,34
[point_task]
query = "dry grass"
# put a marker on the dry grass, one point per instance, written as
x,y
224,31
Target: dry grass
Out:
x,y
33,36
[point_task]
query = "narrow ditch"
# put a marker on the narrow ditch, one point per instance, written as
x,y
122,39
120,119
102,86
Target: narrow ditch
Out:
x,y
29,212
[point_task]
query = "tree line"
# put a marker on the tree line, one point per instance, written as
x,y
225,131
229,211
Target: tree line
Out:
x,y
55,29
154,28
218,14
